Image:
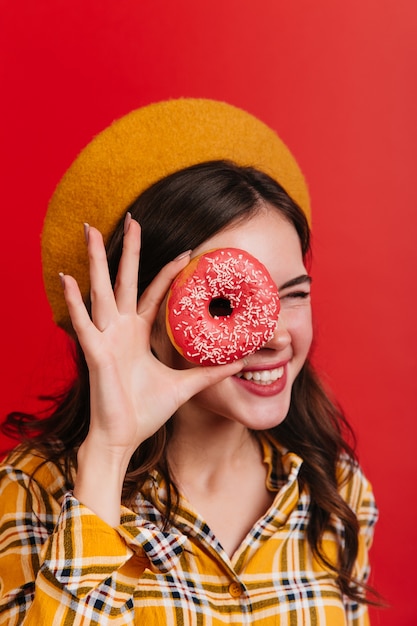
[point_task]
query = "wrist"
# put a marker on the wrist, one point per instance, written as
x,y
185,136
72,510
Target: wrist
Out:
x,y
99,480
108,459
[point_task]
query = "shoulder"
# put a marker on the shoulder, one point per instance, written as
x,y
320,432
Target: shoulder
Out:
x,y
356,490
33,472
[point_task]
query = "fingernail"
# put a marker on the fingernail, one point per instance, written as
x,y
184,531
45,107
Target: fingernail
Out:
x,y
86,231
183,255
126,225
62,279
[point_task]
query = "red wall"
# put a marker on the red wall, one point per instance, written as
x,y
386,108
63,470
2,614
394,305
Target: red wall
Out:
x,y
338,80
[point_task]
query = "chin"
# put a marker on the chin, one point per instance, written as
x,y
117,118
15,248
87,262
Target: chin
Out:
x,y
264,422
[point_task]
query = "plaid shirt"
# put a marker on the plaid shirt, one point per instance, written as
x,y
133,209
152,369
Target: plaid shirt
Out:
x,y
60,564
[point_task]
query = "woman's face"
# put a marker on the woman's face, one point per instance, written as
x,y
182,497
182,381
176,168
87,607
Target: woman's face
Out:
x,y
263,403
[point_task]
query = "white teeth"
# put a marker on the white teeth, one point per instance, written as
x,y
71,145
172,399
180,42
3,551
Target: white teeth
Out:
x,y
263,377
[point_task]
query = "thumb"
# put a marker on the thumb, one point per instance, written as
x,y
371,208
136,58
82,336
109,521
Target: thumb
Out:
x,y
198,378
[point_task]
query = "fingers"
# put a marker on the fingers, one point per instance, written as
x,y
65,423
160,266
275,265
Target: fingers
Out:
x,y
198,378
107,303
80,318
126,287
103,304
152,298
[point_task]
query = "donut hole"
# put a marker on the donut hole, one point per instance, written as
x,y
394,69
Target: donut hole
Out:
x,y
220,307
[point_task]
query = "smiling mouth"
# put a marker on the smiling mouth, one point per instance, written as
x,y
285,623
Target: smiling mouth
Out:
x,y
262,377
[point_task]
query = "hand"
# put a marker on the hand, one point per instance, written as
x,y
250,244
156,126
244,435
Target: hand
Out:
x,y
132,393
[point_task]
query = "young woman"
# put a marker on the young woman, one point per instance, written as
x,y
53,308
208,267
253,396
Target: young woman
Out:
x,y
159,491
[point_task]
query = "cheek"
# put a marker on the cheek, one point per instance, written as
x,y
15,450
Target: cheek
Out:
x,y
300,326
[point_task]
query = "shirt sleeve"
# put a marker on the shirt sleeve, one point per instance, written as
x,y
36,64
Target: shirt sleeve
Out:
x,y
361,498
61,563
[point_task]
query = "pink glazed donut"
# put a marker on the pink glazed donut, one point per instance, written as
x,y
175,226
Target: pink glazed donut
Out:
x,y
223,306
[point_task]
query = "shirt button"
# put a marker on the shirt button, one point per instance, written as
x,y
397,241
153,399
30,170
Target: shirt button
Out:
x,y
235,590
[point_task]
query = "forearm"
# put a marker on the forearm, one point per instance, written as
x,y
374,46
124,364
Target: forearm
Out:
x,y
99,481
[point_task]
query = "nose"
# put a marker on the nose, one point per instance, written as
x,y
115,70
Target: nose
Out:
x,y
281,337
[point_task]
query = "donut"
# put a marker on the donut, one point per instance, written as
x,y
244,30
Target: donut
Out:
x,y
221,307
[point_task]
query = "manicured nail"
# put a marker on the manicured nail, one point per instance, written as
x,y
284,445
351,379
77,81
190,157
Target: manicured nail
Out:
x,y
62,279
128,219
183,255
86,231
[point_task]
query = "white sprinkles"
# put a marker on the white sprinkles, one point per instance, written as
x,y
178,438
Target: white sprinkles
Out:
x,y
236,276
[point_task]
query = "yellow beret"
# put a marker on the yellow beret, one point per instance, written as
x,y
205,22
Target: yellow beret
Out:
x,y
136,151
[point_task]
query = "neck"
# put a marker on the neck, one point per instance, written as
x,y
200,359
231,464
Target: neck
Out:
x,y
218,467
209,449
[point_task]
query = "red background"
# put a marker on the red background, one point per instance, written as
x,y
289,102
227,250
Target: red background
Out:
x,y
338,81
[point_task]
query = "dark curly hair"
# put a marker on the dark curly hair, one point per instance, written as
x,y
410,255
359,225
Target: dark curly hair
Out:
x,y
179,213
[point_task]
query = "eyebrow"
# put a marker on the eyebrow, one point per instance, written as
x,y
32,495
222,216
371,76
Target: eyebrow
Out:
x,y
299,280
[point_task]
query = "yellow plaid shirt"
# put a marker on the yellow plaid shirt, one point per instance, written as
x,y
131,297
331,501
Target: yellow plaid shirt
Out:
x,y
60,564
